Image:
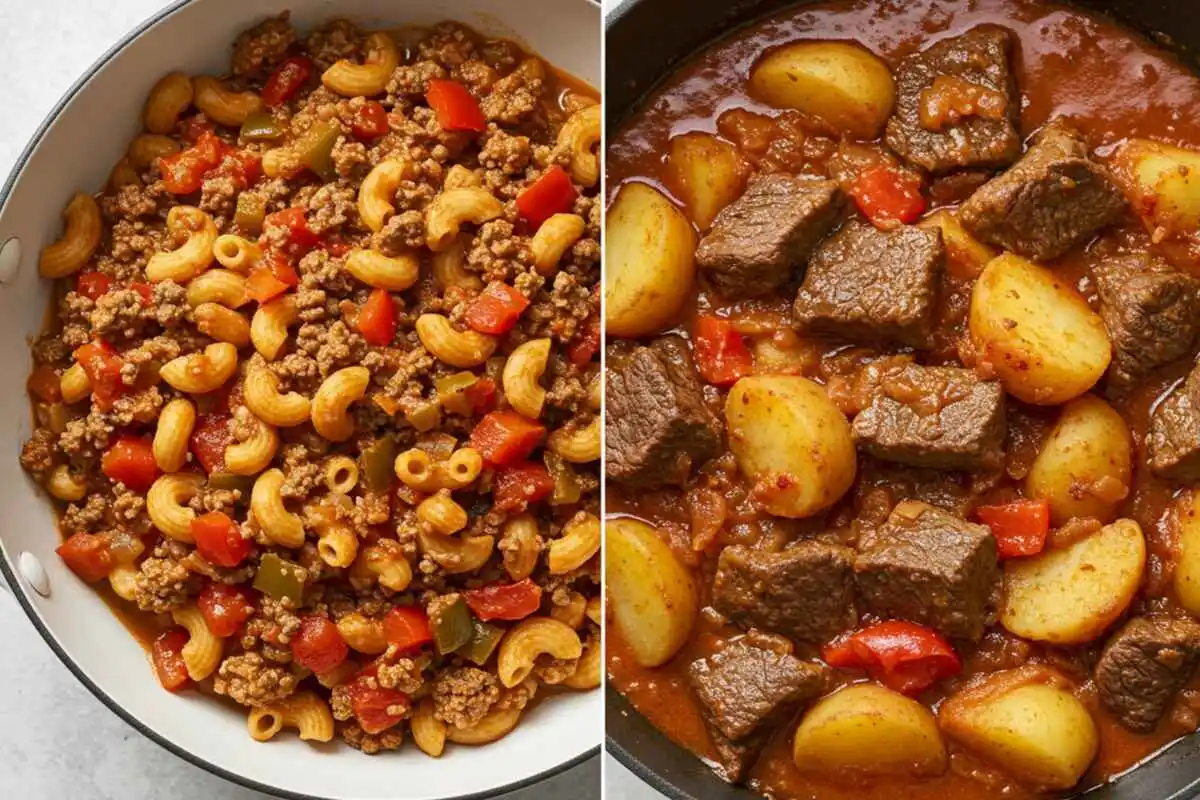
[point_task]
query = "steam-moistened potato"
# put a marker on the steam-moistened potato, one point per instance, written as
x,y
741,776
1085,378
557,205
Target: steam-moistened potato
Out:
x,y
1035,331
1039,734
870,730
706,173
962,248
1162,183
1070,595
1187,569
841,83
1085,466
792,442
652,595
650,261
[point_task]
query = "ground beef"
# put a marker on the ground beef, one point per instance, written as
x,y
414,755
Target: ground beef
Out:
x,y
413,79
463,696
134,201
163,584
404,674
129,510
81,519
248,679
117,315
476,75
515,97
372,743
271,629
332,42
450,44
263,46
37,454
217,196
506,152
401,232
332,206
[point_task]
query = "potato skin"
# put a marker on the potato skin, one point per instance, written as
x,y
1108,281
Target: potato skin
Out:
x,y
792,441
1039,734
650,261
1162,184
843,84
963,249
1085,466
871,730
707,174
1072,594
1044,343
1187,568
652,595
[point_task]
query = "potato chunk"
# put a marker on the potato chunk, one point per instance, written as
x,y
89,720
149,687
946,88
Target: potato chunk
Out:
x,y
791,440
650,261
845,85
1085,465
963,250
1044,343
1039,734
707,174
1162,184
1072,594
1187,569
871,730
652,595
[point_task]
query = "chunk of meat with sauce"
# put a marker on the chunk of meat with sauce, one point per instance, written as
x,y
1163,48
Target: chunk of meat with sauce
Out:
x,y
1174,437
1143,667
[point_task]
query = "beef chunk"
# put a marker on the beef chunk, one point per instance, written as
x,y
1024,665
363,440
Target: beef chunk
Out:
x,y
940,417
930,567
734,759
805,592
1143,665
760,241
1174,438
979,58
657,425
1151,312
745,688
871,285
1053,199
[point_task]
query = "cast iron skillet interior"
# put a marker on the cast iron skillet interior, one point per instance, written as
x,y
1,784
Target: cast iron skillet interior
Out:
x,y
653,38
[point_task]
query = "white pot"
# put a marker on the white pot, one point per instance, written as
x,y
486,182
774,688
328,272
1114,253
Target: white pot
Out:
x,y
74,150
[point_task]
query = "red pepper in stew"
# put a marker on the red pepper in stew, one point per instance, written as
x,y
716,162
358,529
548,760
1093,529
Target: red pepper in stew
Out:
x,y
887,196
456,109
551,194
286,80
1020,527
903,656
721,355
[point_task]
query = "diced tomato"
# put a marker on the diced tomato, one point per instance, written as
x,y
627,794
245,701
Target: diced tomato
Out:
x,y
219,539
481,396
103,367
335,245
407,627
370,121
317,645
903,656
271,278
586,344
505,437
243,167
88,555
183,173
520,484
169,665
721,355
93,285
131,461
377,318
45,385
887,196
286,80
193,127
1020,527
212,434
496,310
456,109
300,237
375,707
508,601
145,290
225,607
551,194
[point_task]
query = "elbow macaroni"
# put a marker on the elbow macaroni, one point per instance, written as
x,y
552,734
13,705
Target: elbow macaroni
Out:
x,y
377,194
266,503
166,504
457,348
579,445
148,148
74,384
385,559
522,372
194,255
587,669
223,324
200,373
533,637
331,404
578,136
442,514
428,731
217,286
202,653
261,393
369,78
304,711
269,326
552,240
384,272
254,454
66,486
362,633
172,434
580,540
453,207
449,267
337,545
456,555
415,469
79,241
496,725
340,473
169,98
522,550
236,252
223,105
460,469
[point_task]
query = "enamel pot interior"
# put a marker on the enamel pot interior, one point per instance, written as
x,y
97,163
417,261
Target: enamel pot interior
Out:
x,y
74,151
652,39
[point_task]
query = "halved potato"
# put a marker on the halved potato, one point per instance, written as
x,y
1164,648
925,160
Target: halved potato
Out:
x,y
1072,594
707,174
1187,569
962,248
1044,343
842,83
1162,183
1085,465
871,730
650,261
1039,734
791,440
653,596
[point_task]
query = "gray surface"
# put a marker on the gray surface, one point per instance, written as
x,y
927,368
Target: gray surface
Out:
x,y
56,740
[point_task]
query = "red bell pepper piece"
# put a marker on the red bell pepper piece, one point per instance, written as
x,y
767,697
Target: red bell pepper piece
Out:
x,y
88,555
93,285
169,665
45,385
407,627
903,656
518,485
377,319
225,607
286,80
456,109
219,539
212,434
506,437
131,461
103,367
183,173
370,121
721,355
507,601
496,310
886,196
1020,527
318,645
551,194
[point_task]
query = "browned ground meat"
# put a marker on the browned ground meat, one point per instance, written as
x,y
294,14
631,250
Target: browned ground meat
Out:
x,y
463,696
248,679
163,584
263,46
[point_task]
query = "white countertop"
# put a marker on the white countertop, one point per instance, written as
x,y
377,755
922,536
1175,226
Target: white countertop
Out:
x,y
56,740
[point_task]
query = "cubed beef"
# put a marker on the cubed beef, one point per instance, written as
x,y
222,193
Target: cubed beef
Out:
x,y
940,417
805,592
1053,199
1174,438
657,426
1143,666
973,63
1151,312
745,688
758,243
734,759
930,567
870,285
